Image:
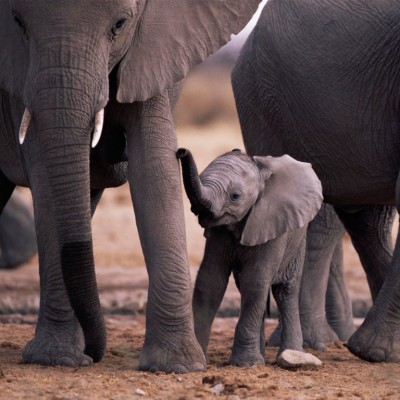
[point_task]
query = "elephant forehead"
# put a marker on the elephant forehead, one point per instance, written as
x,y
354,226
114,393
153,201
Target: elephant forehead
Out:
x,y
73,11
231,170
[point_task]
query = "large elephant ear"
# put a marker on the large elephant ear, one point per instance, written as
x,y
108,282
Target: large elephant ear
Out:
x,y
172,37
13,53
291,198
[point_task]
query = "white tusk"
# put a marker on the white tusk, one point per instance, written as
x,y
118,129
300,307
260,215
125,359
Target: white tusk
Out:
x,y
26,120
98,127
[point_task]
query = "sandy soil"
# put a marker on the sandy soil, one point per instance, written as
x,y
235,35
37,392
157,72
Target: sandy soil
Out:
x,y
122,282
116,377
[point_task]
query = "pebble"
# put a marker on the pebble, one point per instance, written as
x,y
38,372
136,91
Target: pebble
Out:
x,y
217,389
140,392
296,359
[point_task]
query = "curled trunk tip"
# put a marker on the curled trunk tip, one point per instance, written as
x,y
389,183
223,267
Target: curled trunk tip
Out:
x,y
182,153
194,189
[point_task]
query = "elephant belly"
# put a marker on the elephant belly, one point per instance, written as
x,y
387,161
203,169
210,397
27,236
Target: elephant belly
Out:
x,y
353,177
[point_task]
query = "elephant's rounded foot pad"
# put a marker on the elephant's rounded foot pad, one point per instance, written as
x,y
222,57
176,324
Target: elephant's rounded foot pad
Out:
x,y
154,358
246,360
48,353
297,359
374,346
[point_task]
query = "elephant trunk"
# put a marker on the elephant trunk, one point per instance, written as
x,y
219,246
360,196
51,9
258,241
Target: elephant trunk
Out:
x,y
62,122
195,191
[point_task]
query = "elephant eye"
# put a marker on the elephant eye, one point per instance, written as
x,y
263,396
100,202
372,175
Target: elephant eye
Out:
x,y
118,26
234,196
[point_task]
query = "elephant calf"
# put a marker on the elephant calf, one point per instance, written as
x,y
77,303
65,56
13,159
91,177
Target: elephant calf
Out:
x,y
255,211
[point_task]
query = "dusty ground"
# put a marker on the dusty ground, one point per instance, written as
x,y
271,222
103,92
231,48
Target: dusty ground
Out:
x,y
123,282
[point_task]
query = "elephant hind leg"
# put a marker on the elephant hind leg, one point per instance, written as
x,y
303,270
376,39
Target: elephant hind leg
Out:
x,y
324,234
338,307
370,232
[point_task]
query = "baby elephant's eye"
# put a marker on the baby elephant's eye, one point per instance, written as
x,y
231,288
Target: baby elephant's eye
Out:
x,y
234,196
119,26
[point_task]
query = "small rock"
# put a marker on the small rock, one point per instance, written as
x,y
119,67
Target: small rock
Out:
x,y
217,389
179,379
140,392
296,359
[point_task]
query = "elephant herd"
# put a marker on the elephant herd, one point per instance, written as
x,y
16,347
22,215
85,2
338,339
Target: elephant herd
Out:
x,y
85,104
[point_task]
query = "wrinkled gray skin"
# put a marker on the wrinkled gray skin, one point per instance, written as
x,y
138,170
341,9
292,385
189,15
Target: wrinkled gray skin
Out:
x,y
317,80
17,233
64,62
255,214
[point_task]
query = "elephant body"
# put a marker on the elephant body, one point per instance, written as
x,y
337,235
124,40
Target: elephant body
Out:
x,y
255,213
94,84
317,80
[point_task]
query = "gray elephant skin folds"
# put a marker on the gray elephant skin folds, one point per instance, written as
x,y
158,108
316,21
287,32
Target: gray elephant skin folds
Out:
x,y
255,211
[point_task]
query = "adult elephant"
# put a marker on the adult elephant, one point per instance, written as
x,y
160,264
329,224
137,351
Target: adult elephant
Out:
x,y
319,80
17,233
73,65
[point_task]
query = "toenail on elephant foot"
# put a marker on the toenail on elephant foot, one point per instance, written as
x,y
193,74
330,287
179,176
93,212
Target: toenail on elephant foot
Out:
x,y
55,354
375,344
245,360
166,358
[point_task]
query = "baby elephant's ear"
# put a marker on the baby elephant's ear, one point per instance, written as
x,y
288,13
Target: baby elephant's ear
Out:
x,y
291,198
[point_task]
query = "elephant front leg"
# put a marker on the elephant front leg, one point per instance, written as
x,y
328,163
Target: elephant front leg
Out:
x,y
254,281
378,338
58,337
170,343
246,349
211,283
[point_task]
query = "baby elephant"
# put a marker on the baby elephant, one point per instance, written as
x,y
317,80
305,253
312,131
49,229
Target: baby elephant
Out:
x,y
255,212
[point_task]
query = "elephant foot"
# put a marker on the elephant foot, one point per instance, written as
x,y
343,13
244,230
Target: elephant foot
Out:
x,y
376,342
317,333
245,358
296,359
343,329
182,356
53,348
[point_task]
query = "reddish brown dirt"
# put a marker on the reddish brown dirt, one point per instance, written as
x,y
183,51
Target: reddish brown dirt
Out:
x,y
119,257
116,377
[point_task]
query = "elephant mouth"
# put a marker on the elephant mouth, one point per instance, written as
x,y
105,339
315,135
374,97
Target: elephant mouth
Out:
x,y
209,220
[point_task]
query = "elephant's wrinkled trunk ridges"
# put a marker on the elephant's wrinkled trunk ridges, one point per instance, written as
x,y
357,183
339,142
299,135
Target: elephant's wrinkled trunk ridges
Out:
x,y
191,181
62,136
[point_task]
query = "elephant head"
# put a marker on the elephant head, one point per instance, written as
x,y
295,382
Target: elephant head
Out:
x,y
272,195
56,57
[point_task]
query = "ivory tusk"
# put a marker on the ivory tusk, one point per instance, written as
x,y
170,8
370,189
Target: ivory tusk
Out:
x,y
26,120
98,127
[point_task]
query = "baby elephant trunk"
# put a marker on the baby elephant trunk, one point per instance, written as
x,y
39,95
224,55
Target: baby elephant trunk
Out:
x,y
193,186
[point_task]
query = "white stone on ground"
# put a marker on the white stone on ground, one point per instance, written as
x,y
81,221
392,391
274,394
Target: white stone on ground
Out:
x,y
295,359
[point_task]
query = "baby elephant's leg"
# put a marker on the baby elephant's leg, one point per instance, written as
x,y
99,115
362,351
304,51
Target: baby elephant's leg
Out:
x,y
248,348
286,294
286,297
211,282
